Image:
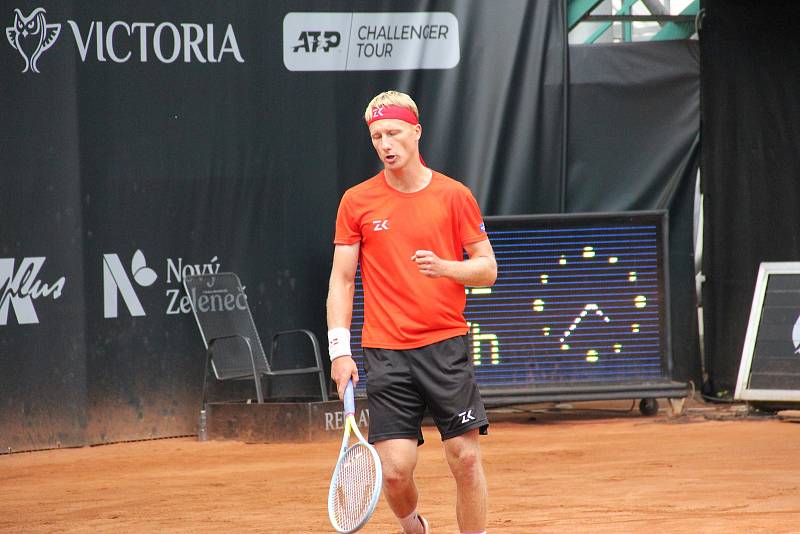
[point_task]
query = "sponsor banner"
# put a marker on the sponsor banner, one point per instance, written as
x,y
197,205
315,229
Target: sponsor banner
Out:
x,y
370,41
120,282
168,139
31,36
121,41
21,286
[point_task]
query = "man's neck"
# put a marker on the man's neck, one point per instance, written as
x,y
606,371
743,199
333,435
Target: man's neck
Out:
x,y
410,179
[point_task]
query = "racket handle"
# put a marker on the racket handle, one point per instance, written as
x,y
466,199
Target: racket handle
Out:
x,y
349,401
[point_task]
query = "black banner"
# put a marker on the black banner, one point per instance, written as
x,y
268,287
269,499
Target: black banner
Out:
x,y
750,165
143,141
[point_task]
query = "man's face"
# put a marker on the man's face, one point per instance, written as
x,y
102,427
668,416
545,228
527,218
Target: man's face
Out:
x,y
395,141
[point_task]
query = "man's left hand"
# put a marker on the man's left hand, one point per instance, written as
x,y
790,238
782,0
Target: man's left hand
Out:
x,y
429,264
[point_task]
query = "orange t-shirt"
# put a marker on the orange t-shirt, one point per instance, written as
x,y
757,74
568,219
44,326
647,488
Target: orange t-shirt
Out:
x,y
404,309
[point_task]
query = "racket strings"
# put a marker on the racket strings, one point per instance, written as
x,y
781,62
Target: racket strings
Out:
x,y
354,487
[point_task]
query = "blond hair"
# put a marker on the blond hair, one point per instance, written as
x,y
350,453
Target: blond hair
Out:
x,y
391,98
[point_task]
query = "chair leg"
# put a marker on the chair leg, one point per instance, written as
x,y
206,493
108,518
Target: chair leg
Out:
x,y
322,389
256,377
202,430
266,388
315,344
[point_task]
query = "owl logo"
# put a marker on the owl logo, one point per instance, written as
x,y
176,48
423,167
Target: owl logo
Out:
x,y
31,36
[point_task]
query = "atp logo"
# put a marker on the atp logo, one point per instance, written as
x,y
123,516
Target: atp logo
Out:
x,y
31,36
116,282
309,41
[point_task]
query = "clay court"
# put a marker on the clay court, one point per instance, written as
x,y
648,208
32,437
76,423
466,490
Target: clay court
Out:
x,y
584,468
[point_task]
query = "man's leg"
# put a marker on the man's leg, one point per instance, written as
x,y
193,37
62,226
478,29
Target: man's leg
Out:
x,y
464,457
398,460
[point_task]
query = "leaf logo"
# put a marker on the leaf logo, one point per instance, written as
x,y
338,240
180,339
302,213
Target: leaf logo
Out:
x,y
144,275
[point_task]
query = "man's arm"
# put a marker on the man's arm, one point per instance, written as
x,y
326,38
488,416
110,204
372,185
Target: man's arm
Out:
x,y
340,310
479,270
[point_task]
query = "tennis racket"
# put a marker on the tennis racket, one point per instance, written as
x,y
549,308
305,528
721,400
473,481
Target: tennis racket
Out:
x,y
356,481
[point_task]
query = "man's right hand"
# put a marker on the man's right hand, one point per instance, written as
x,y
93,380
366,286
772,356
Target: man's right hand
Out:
x,y
343,369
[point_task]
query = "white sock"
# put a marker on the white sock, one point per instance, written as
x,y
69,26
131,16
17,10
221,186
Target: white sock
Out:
x,y
411,523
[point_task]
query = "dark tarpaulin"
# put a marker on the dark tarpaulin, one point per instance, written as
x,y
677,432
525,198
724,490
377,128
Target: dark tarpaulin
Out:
x,y
633,145
751,131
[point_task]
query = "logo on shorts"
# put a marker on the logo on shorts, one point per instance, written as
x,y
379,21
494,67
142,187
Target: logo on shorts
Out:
x,y
466,417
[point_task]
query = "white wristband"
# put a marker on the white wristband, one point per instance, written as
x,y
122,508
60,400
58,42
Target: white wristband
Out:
x,y
339,342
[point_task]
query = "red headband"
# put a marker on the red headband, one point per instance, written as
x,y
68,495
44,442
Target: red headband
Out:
x,y
393,112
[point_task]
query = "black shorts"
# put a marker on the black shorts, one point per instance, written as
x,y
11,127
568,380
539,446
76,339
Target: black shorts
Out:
x,y
402,384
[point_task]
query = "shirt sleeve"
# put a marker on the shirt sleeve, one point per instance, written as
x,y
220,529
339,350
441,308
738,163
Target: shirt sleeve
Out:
x,y
348,229
471,222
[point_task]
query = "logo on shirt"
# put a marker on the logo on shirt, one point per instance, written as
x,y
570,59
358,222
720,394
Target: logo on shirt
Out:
x,y
466,417
380,224
483,227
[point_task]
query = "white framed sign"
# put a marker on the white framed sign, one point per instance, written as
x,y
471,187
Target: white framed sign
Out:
x,y
770,366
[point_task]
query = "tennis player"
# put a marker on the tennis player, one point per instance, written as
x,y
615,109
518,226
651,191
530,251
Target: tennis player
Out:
x,y
409,226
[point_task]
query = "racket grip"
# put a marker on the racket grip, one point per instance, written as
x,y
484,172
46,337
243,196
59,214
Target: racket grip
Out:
x,y
349,400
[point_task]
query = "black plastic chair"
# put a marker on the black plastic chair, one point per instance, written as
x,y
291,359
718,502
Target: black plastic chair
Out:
x,y
233,346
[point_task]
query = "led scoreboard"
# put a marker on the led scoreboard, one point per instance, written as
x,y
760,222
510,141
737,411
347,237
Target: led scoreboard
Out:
x,y
579,310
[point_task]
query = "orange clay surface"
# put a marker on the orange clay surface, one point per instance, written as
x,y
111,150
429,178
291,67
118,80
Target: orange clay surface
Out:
x,y
594,470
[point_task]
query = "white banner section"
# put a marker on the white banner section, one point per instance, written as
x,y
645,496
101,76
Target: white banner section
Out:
x,y
370,41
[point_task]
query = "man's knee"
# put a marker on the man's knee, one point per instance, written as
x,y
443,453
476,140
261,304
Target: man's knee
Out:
x,y
465,461
398,459
396,477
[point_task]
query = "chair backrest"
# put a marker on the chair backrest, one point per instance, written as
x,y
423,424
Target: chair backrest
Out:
x,y
223,316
